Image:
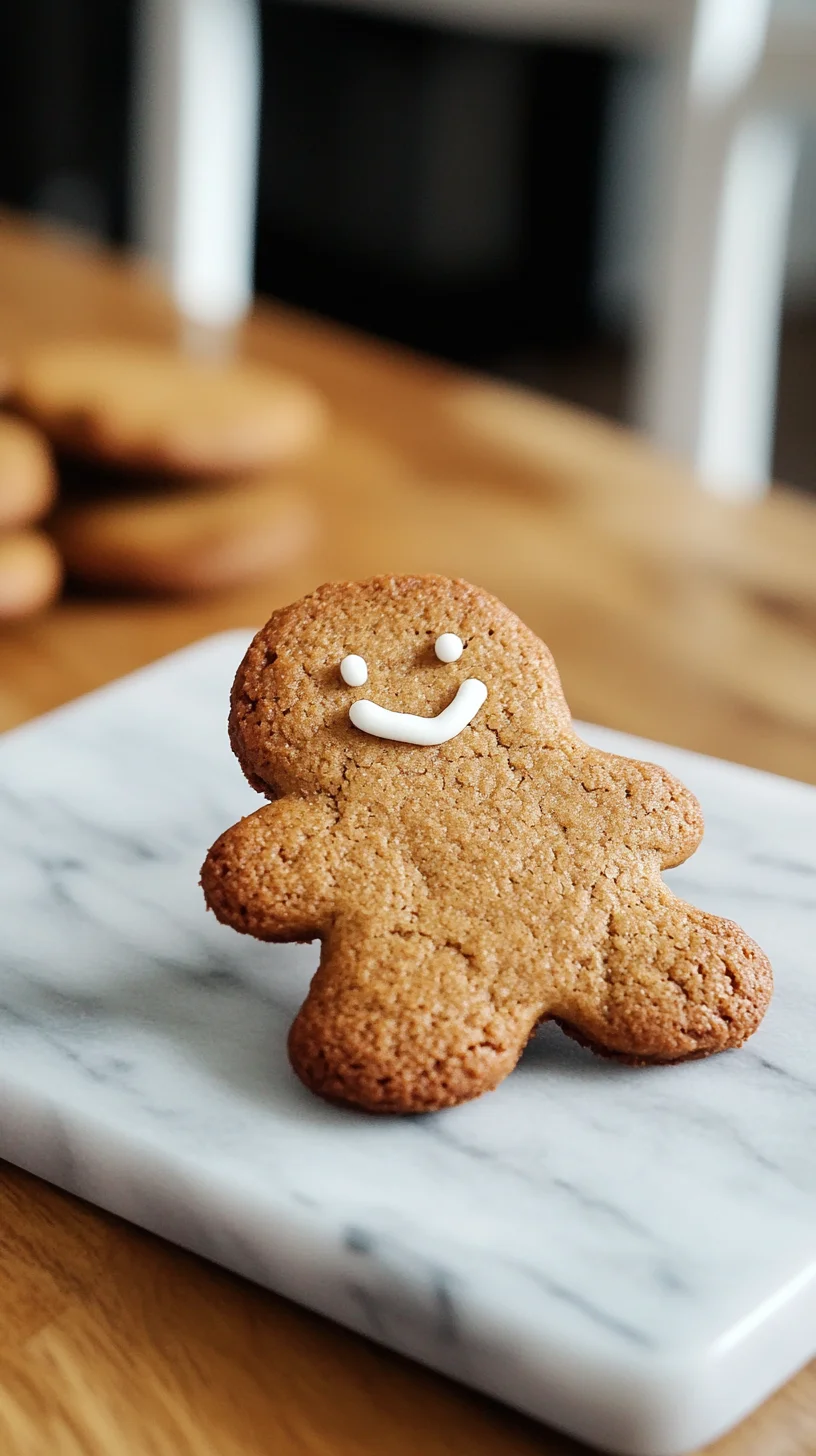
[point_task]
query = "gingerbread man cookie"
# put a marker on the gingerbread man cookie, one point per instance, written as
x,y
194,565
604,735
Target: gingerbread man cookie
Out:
x,y
470,865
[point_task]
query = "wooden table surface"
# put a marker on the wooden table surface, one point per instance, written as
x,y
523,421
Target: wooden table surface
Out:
x,y
670,615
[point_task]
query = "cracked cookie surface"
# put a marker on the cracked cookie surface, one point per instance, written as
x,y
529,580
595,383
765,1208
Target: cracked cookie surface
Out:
x,y
462,891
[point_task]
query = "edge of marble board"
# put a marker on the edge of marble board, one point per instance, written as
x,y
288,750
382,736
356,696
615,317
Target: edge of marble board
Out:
x,y
645,1405
681,1402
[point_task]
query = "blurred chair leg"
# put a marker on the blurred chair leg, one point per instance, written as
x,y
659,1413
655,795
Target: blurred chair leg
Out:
x,y
736,429
712,386
709,365
195,157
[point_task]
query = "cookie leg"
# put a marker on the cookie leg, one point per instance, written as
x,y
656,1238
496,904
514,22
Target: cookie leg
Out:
x,y
395,1023
670,983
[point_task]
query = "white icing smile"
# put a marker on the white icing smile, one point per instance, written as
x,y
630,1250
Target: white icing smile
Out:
x,y
410,728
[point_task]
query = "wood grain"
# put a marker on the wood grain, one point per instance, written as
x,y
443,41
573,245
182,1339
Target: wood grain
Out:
x,y
670,614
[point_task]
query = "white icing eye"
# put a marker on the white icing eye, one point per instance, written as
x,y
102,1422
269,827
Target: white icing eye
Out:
x,y
448,647
353,670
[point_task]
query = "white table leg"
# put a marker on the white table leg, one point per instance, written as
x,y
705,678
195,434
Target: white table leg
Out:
x,y
196,150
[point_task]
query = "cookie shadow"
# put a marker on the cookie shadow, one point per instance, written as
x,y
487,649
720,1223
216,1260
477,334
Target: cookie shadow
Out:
x,y
551,1051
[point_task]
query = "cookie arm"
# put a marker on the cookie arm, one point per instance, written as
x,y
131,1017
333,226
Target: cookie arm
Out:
x,y
270,875
655,810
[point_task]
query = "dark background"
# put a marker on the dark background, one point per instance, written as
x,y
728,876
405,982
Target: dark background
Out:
x,y
430,186
408,181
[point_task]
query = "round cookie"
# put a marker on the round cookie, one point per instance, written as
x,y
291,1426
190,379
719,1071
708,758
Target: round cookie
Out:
x,y
149,408
470,865
27,477
185,540
30,573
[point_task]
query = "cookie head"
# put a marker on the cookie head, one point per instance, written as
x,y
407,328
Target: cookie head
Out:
x,y
383,674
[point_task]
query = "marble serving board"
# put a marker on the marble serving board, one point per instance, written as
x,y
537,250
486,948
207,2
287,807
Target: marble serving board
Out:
x,y
627,1254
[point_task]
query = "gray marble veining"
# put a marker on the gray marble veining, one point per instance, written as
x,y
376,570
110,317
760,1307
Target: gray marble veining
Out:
x,y
630,1254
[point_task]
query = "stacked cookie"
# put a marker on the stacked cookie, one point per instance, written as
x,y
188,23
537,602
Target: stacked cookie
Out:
x,y
170,466
30,571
